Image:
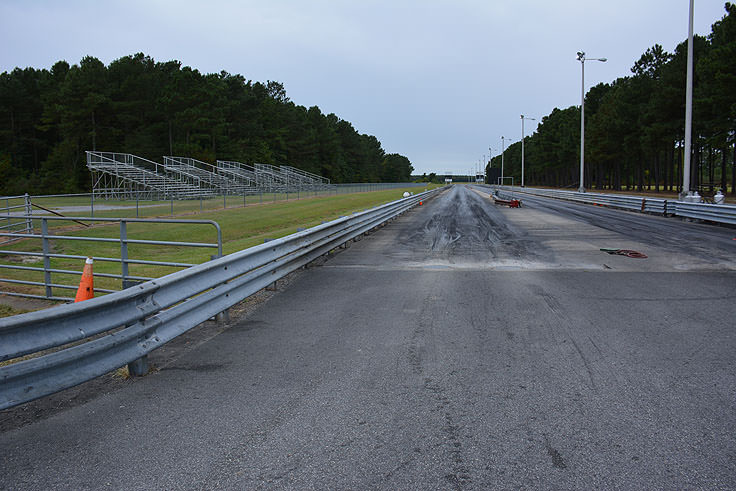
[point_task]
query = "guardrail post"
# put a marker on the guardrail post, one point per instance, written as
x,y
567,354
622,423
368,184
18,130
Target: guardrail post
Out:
x,y
46,258
139,367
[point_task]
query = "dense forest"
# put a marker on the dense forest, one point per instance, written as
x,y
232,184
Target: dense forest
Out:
x,y
48,118
634,126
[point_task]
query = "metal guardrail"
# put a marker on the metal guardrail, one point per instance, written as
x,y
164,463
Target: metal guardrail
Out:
x,y
703,211
46,237
700,211
123,327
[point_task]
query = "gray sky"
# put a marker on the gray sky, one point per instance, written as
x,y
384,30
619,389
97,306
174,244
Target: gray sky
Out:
x,y
437,81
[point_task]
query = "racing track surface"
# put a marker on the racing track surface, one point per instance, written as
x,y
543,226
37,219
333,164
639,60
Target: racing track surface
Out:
x,y
462,346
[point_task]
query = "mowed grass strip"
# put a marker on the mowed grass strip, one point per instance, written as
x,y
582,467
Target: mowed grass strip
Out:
x,y
241,228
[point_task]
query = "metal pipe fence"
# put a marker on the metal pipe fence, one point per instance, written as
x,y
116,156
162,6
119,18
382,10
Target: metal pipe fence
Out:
x,y
16,221
99,335
139,204
47,239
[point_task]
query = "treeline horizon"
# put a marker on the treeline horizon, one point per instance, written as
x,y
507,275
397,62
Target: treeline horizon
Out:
x,y
50,117
635,125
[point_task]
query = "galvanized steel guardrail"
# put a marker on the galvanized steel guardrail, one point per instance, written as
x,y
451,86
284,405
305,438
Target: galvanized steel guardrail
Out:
x,y
700,211
99,335
703,211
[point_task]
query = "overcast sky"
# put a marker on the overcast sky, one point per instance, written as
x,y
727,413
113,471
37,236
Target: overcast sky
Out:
x,y
437,81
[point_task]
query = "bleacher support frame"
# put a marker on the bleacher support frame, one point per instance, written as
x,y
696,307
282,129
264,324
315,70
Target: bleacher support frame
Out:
x,y
127,176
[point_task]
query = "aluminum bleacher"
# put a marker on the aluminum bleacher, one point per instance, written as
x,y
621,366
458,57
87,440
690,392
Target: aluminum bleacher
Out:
x,y
217,178
122,175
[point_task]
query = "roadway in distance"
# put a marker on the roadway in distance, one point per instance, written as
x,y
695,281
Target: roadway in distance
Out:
x,y
461,346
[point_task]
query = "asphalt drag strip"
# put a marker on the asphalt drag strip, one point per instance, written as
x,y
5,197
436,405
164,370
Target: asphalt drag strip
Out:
x,y
462,346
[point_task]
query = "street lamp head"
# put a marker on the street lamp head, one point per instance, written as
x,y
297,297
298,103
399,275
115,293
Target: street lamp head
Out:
x,y
603,59
581,55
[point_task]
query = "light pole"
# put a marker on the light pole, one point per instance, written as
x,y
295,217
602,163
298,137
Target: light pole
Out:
x,y
490,157
503,149
581,59
522,146
688,109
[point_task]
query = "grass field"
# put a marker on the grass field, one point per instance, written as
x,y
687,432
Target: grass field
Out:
x,y
242,227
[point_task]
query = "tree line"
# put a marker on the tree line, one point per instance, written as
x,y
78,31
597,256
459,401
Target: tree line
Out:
x,y
634,126
50,117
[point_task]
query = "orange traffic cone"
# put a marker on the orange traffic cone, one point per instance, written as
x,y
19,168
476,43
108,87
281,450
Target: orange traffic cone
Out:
x,y
86,288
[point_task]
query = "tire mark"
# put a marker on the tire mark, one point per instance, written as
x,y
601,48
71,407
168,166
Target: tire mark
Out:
x,y
554,454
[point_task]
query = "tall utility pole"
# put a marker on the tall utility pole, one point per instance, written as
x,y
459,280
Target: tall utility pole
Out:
x,y
503,149
581,59
490,157
522,146
688,109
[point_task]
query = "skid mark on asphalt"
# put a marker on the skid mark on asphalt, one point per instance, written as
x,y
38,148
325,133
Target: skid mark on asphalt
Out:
x,y
421,341
459,476
461,226
561,320
416,351
554,454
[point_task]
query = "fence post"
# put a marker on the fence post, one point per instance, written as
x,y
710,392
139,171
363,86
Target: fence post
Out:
x,y
46,259
124,254
29,212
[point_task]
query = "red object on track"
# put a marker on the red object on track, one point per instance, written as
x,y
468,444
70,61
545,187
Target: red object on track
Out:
x,y
511,203
626,252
